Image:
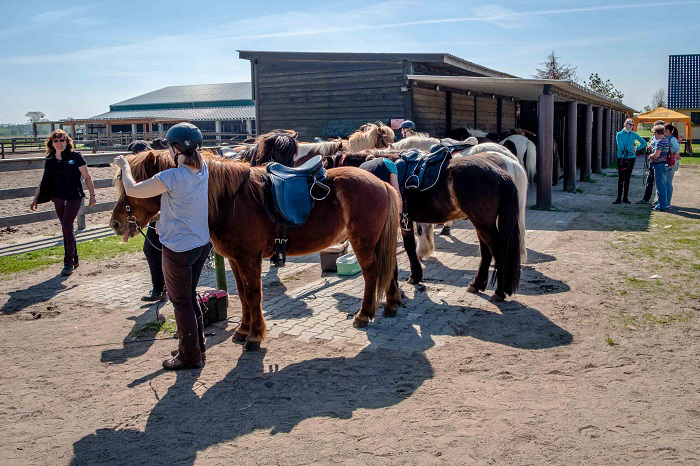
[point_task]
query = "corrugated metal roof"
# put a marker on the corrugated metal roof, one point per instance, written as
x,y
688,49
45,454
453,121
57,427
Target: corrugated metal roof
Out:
x,y
193,93
520,88
185,114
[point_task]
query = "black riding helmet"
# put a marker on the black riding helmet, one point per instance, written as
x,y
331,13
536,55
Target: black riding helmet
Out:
x,y
408,124
185,137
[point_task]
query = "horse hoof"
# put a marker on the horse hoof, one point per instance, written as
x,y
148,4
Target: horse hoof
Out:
x,y
472,289
238,337
389,311
251,345
445,231
357,323
497,298
414,281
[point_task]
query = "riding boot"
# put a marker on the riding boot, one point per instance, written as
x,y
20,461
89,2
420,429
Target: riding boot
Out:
x,y
625,199
620,185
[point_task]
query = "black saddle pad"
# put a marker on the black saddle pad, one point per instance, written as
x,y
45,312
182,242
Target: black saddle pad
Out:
x,y
420,171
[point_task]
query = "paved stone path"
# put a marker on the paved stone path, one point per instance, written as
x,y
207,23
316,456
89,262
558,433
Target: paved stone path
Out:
x,y
323,308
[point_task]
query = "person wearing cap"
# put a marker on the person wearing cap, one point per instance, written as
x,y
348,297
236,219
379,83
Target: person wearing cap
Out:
x,y
408,128
184,234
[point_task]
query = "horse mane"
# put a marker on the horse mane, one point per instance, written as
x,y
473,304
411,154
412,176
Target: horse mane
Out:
x,y
280,146
369,135
225,179
139,167
417,141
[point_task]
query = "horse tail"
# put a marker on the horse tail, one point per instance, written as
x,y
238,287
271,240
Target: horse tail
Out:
x,y
426,244
531,160
385,250
508,262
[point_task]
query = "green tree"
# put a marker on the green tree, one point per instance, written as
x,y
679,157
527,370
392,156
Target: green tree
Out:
x,y
605,88
555,69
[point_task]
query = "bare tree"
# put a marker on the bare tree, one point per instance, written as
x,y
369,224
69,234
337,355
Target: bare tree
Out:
x,y
658,99
35,117
555,69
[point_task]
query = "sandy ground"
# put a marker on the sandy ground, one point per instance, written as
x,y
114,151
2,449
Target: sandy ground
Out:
x,y
545,378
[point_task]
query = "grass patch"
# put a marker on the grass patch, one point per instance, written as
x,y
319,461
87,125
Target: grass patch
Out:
x,y
96,249
153,328
609,340
695,160
668,318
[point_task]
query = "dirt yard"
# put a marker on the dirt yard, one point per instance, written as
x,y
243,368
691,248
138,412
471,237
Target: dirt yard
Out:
x,y
594,361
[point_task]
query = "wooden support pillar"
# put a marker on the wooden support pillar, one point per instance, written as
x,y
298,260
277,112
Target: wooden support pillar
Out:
x,y
607,124
571,139
615,128
217,129
53,127
545,138
60,126
499,115
256,96
597,161
72,130
109,133
476,108
249,127
587,144
448,112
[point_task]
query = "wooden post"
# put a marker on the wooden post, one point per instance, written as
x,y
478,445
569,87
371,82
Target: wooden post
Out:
x,y
72,130
607,124
109,133
475,110
220,272
53,126
34,129
217,130
598,159
571,139
499,116
545,138
587,144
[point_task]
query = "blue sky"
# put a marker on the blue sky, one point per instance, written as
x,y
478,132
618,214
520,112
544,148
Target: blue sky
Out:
x,y
73,59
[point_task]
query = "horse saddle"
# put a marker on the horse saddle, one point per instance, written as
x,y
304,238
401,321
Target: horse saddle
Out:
x,y
420,171
290,193
227,152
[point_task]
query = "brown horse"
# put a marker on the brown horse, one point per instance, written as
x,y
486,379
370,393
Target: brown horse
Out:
x,y
474,188
242,232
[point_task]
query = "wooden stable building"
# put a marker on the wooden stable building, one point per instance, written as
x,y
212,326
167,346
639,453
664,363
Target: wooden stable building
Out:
x,y
328,94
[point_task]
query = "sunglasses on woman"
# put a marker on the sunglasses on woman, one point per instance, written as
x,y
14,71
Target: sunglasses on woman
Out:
x,y
59,140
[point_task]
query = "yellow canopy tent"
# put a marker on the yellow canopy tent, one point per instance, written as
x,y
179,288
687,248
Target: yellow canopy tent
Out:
x,y
669,116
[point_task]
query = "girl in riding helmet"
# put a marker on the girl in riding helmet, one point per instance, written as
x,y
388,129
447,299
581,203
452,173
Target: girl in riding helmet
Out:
x,y
184,234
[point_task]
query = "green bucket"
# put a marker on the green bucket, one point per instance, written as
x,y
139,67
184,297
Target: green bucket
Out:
x,y
347,265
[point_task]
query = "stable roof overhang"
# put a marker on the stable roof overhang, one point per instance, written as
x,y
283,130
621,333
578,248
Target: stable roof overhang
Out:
x,y
522,89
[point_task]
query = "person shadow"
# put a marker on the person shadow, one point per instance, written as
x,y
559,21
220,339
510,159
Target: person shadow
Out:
x,y
35,294
252,397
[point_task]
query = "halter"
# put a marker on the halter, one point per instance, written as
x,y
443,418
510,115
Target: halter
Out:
x,y
131,219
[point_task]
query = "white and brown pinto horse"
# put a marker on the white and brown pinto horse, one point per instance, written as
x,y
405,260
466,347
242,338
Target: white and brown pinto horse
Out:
x,y
369,136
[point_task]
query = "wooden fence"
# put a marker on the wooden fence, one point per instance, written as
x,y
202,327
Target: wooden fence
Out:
x,y
35,163
19,145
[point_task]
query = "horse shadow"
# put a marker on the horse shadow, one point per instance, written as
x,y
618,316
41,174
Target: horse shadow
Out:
x,y
137,345
515,324
35,294
532,281
249,398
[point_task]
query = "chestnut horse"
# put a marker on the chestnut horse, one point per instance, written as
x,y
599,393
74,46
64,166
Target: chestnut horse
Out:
x,y
242,232
474,188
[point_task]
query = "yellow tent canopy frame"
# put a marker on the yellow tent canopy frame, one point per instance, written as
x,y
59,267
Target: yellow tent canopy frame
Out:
x,y
664,114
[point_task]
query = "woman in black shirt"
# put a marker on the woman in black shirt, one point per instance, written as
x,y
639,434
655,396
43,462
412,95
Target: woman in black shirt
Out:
x,y
61,184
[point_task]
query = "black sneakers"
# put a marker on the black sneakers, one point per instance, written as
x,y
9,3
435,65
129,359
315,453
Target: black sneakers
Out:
x,y
154,295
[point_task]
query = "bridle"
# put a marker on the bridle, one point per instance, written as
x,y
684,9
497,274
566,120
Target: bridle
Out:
x,y
131,219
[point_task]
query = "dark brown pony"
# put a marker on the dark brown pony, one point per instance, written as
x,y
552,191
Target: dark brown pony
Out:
x,y
280,146
242,232
473,188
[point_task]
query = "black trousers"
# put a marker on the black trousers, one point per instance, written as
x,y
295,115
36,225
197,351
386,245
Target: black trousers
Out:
x,y
154,257
182,271
649,188
624,172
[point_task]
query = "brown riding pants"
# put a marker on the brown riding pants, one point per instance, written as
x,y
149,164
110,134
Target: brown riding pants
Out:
x,y
181,271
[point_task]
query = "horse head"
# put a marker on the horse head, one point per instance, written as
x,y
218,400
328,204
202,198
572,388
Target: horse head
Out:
x,y
279,146
131,212
385,137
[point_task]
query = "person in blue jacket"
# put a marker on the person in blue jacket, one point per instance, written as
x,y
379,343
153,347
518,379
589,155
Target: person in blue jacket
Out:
x,y
626,156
